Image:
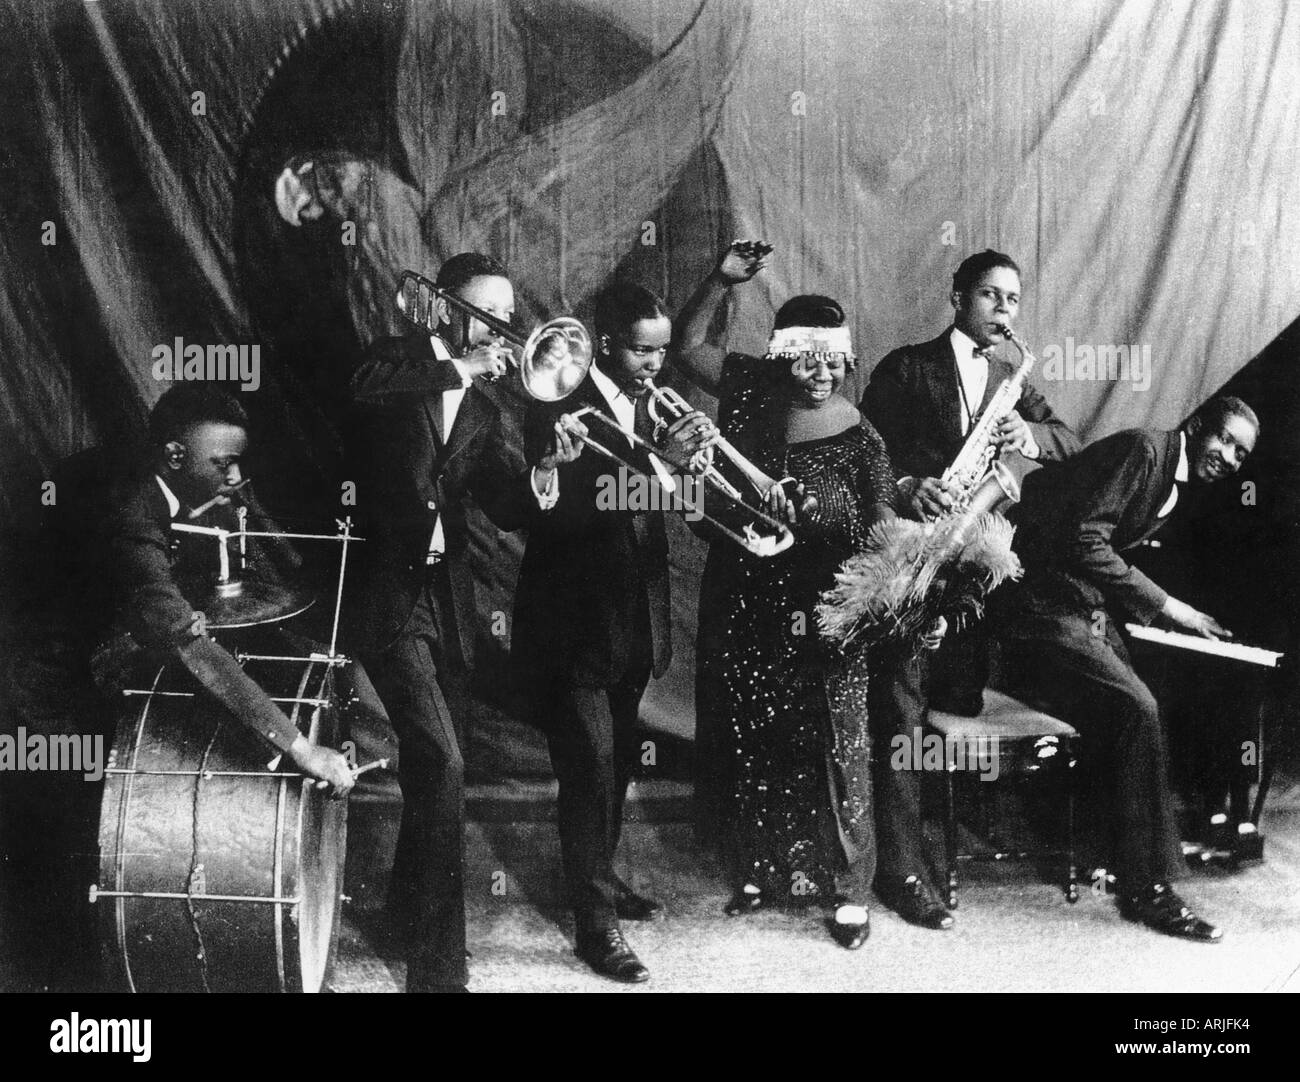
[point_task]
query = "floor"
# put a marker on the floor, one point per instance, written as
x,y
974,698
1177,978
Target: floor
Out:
x,y
1013,931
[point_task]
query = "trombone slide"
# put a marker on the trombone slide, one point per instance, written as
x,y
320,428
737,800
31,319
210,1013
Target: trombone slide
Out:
x,y
747,537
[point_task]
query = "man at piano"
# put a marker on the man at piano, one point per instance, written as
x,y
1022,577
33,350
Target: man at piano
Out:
x,y
1060,629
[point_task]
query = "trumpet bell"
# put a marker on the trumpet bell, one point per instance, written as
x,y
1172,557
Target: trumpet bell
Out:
x,y
555,359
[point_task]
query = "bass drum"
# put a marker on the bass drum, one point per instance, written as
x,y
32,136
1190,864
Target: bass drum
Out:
x,y
219,872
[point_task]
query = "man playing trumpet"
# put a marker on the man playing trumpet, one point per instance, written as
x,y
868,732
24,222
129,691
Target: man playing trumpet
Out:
x,y
592,613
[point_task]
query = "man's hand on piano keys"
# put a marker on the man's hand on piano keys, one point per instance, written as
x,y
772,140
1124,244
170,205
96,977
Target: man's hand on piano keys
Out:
x,y
1190,619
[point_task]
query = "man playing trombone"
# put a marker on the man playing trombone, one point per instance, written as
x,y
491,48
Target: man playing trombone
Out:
x,y
427,437
592,614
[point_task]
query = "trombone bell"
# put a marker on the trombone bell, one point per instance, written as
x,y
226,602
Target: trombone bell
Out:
x,y
554,358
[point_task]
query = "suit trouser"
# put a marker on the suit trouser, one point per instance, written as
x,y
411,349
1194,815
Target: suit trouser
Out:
x,y
898,703
592,735
427,894
1085,678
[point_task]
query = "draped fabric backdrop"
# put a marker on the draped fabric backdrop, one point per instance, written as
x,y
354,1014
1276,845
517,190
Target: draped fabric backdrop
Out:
x,y
1136,157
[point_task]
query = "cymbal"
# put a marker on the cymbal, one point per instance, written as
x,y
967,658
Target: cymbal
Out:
x,y
246,602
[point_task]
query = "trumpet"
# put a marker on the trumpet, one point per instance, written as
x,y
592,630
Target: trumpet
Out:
x,y
554,358
748,536
762,484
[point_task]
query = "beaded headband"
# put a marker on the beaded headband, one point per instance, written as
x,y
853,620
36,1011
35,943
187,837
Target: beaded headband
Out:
x,y
808,345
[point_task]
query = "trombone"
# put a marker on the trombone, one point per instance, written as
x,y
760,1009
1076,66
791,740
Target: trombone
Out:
x,y
554,361
554,358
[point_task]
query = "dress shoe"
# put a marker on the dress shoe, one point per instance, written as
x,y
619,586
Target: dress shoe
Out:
x,y
630,905
850,934
608,953
1158,907
744,901
915,901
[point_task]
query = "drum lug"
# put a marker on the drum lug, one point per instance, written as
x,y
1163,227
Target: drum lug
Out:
x,y
94,893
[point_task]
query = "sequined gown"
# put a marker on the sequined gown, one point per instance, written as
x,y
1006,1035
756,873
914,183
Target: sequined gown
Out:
x,y
782,739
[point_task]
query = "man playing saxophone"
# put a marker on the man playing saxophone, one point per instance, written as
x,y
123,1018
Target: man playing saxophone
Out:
x,y
924,400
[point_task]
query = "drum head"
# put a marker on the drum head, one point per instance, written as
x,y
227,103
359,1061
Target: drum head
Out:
x,y
219,870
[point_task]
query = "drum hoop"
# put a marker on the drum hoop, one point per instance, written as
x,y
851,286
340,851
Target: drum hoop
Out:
x,y
324,691
119,858
278,860
278,876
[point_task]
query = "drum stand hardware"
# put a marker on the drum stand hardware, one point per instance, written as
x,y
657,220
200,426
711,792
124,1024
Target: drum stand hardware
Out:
x,y
191,694
236,603
179,896
324,659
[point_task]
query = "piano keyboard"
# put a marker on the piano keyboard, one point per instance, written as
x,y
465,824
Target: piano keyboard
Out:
x,y
1254,655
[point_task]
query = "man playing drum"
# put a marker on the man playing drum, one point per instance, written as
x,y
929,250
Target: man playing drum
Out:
x,y
198,437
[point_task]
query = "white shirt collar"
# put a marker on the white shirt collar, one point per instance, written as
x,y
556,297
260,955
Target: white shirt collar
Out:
x,y
962,344
607,387
440,348
620,402
1181,474
173,504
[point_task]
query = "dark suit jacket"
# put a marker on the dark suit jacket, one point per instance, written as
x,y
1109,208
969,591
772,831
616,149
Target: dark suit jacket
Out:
x,y
588,574
914,403
1078,519
406,477
157,575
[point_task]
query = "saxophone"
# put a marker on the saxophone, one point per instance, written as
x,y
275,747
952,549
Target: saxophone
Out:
x,y
983,483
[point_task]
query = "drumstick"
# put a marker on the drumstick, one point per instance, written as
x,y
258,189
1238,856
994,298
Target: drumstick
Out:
x,y
224,494
357,771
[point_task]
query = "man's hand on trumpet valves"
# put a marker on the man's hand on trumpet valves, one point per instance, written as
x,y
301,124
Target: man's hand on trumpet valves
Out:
x,y
689,441
490,361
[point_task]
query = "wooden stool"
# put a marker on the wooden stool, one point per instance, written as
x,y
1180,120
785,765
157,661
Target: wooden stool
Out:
x,y
1024,742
